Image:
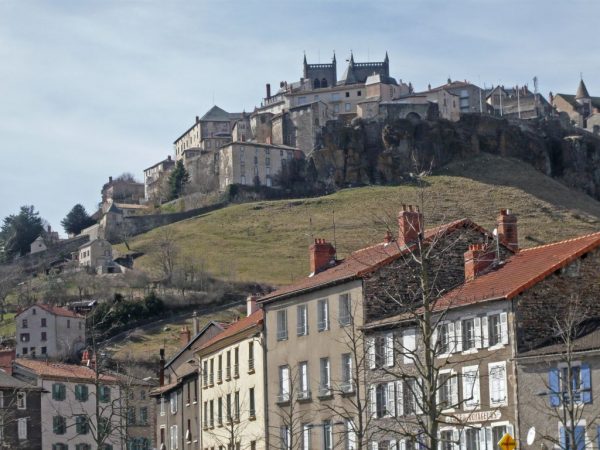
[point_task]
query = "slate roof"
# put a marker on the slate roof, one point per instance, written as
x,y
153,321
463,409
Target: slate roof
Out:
x,y
588,338
46,369
192,342
571,99
6,381
253,320
582,91
363,262
56,310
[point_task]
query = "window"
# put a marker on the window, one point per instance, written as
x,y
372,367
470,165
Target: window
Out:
x,y
131,415
236,406
303,389
470,333
250,357
446,440
327,435
24,350
347,94
409,395
344,317
383,400
447,392
104,394
81,392
358,94
81,424
574,381
445,338
306,434
498,432
22,428
470,379
251,403
43,322
195,384
497,384
205,416
220,369
24,323
162,406
211,406
228,365
284,383
347,107
347,384
24,337
60,447
220,411
472,438
205,373
44,350
302,319
236,362
497,329
59,424
68,323
173,435
173,402
143,415
211,375
325,377
284,438
21,400
59,391
322,315
282,333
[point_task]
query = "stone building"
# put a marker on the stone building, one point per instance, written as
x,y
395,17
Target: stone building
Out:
x,y
232,395
45,331
97,256
155,178
471,98
580,108
20,414
517,102
122,190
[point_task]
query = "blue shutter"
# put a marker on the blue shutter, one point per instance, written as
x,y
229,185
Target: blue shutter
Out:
x,y
586,383
563,439
554,385
579,438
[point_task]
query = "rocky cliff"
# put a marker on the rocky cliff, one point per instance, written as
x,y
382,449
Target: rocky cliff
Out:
x,y
387,153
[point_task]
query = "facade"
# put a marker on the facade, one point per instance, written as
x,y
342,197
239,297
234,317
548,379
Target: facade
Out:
x,y
518,102
471,98
20,416
68,405
176,400
38,245
138,412
96,256
232,395
579,107
154,180
122,191
45,331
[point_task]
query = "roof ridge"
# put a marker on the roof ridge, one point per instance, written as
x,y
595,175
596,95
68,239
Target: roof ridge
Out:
x,y
577,238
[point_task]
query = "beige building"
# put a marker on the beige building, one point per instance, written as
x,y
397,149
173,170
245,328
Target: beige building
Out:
x,y
579,107
232,375
155,180
250,163
45,331
96,255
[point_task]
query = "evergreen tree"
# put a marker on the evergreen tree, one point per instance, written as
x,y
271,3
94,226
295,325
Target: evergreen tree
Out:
x,y
18,231
178,179
77,219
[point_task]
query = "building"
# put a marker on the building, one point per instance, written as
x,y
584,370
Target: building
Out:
x,y
471,98
122,190
96,256
176,399
580,108
38,245
20,416
232,395
317,369
45,331
155,178
69,405
517,102
139,412
209,132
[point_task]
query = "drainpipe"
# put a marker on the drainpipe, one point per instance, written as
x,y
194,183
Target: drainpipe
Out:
x,y
263,345
513,328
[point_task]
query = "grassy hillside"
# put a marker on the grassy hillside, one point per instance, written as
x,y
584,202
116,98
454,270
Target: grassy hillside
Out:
x,y
268,241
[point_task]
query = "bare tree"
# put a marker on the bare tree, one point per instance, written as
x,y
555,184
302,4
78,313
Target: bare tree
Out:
x,y
8,282
165,254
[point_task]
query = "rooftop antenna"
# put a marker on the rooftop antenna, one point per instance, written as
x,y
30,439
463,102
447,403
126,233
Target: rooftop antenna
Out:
x,y
334,236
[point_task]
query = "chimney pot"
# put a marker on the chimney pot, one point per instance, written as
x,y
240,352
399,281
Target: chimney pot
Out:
x,y
184,336
110,179
161,367
251,304
477,260
410,225
508,230
268,90
322,253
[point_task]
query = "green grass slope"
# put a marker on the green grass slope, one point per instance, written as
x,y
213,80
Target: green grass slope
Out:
x,y
268,241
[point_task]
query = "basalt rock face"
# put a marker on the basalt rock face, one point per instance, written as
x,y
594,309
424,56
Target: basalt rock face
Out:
x,y
373,152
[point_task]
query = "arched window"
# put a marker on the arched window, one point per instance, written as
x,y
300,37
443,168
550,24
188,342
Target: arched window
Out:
x,y
316,84
324,82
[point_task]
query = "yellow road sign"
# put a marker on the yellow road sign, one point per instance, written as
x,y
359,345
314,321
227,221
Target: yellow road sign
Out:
x,y
507,442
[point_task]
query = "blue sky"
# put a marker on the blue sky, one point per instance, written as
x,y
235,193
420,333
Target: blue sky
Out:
x,y
90,88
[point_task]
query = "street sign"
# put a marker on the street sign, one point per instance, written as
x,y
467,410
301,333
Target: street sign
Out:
x,y
507,442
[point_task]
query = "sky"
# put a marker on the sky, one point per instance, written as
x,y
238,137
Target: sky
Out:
x,y
90,89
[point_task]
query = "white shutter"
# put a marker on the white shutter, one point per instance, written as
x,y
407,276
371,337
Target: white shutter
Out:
x,y
434,343
476,395
485,332
393,445
371,352
418,396
285,381
351,435
482,439
504,327
455,439
477,325
391,399
510,430
458,334
463,439
454,389
409,343
399,398
402,444
372,401
389,349
488,438
451,337
22,428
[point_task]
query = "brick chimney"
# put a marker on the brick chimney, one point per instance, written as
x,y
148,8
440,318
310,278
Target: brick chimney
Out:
x,y
161,368
268,90
477,259
507,229
196,323
251,304
321,255
410,224
184,336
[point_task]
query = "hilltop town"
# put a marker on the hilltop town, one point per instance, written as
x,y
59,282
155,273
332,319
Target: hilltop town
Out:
x,y
448,302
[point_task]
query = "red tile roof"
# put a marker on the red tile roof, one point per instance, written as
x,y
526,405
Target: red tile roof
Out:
x,y
253,320
364,261
521,271
56,310
45,369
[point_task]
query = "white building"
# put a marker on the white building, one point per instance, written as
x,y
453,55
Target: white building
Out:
x,y
232,380
47,331
68,406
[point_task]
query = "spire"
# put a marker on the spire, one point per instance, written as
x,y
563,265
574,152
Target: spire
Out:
x,y
351,57
386,59
582,91
333,60
305,63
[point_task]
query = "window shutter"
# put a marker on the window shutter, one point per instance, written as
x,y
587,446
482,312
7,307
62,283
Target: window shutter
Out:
x,y
485,339
391,399
586,383
456,440
371,352
482,438
554,386
434,341
579,438
458,334
389,349
393,445
372,401
451,337
402,444
454,388
22,428
418,396
504,327
510,430
399,399
374,445
463,439
409,345
476,396
477,326
488,438
563,438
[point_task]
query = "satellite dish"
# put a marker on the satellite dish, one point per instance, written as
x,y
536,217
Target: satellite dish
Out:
x,y
531,436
